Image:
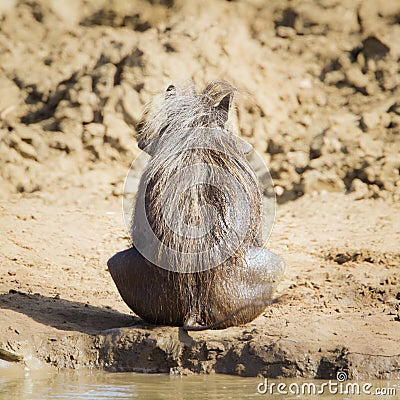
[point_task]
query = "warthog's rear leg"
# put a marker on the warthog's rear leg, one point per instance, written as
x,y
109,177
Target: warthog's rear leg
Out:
x,y
239,298
151,292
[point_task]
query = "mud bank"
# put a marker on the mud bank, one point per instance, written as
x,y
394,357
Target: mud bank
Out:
x,y
245,352
319,101
336,309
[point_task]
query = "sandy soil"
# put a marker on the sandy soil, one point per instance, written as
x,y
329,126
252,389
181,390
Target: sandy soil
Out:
x,y
320,103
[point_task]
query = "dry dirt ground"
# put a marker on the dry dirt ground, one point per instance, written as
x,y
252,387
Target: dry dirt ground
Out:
x,y
320,102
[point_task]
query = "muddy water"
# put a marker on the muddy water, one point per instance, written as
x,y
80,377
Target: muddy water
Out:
x,y
87,384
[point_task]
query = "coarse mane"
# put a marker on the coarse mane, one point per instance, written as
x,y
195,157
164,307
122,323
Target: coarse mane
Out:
x,y
193,176
180,109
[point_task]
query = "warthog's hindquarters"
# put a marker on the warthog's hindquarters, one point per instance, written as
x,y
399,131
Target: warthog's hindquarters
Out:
x,y
218,300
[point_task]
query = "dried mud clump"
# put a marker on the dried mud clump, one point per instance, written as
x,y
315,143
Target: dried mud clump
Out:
x,y
320,98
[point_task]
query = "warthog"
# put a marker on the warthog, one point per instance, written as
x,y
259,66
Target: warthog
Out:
x,y
196,259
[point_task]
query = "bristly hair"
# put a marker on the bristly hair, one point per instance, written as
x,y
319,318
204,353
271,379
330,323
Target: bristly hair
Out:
x,y
183,108
182,129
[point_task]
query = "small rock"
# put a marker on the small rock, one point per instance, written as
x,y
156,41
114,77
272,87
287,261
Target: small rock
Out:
x,y
316,181
87,114
275,146
360,188
117,191
305,84
316,146
320,99
240,369
71,127
9,155
370,120
104,79
279,190
10,356
334,77
370,173
215,346
180,371
356,78
131,104
85,84
118,133
33,137
298,158
19,178
64,142
370,146
66,111
9,92
285,32
87,98
374,48
91,131
26,150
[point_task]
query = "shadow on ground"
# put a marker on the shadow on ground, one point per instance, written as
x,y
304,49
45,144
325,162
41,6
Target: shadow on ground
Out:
x,y
65,314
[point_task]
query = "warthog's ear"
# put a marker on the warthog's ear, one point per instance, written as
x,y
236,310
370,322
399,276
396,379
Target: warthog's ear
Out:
x,y
148,147
141,144
225,103
223,109
171,91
